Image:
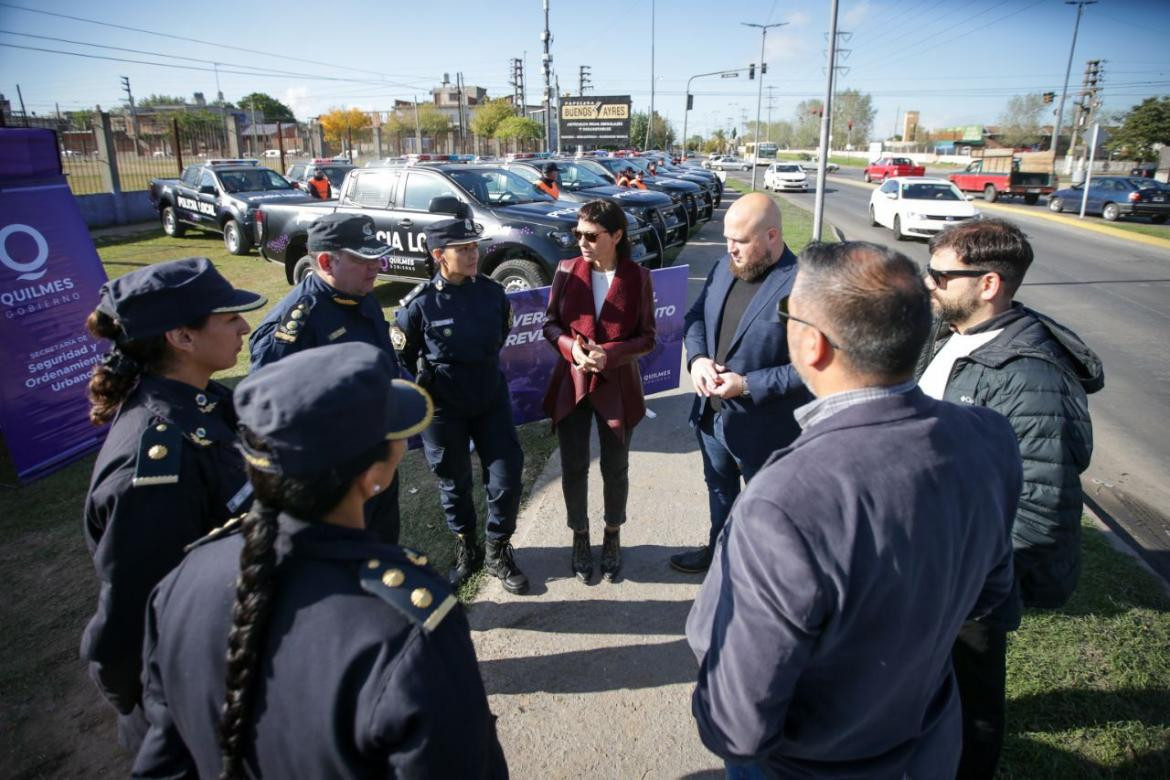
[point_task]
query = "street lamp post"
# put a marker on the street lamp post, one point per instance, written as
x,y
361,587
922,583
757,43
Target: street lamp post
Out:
x,y
1080,4
725,74
760,91
823,147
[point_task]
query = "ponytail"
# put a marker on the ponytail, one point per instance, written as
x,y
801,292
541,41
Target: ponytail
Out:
x,y
254,592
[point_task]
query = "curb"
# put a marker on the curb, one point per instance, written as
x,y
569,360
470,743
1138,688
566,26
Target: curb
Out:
x,y
1141,238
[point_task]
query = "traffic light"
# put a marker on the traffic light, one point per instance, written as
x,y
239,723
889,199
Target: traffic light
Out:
x,y
752,71
1049,97
763,68
690,101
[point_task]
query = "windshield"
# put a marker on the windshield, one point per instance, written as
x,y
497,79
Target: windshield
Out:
x,y
497,187
575,175
930,191
335,173
603,167
252,180
789,169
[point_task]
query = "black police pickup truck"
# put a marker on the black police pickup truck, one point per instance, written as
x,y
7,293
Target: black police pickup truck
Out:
x,y
579,184
530,232
299,173
700,205
222,196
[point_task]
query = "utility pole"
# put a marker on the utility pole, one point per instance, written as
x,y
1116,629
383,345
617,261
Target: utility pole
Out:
x,y
771,105
517,83
23,112
546,67
650,118
1080,4
1086,107
133,110
558,81
823,148
255,151
222,107
583,80
760,89
417,131
459,103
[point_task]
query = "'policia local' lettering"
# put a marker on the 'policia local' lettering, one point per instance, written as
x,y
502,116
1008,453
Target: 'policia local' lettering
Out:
x,y
194,205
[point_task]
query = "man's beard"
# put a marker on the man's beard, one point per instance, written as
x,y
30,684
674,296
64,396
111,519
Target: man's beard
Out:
x,y
752,269
955,311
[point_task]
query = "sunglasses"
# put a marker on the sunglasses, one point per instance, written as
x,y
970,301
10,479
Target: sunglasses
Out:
x,y
585,235
938,276
782,310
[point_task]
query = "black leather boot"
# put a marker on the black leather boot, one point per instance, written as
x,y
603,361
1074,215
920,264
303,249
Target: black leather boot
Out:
x,y
582,556
499,561
611,554
468,554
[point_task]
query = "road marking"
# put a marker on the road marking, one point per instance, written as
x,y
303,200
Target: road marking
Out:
x,y
1140,238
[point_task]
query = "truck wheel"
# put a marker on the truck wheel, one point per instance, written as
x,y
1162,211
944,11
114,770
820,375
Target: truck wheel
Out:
x,y
866,177
989,193
872,218
303,268
1055,204
517,275
171,224
898,234
235,239
1110,212
1031,199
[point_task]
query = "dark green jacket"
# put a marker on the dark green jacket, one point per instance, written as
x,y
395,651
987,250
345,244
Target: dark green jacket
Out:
x,y
1037,373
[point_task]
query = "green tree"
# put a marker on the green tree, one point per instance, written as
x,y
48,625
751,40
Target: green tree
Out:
x,y
716,143
81,119
661,134
432,121
488,115
519,128
1146,124
806,124
1019,124
694,143
856,108
274,110
161,100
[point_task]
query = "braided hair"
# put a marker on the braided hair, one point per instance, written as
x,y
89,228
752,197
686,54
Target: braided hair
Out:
x,y
115,377
307,498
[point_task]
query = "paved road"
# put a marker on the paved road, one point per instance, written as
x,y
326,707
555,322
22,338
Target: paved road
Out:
x,y
1116,294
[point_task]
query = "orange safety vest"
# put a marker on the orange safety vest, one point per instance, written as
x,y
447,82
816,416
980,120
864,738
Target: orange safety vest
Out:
x,y
548,189
638,184
321,187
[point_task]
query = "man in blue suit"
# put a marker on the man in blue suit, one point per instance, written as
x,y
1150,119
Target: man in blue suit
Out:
x,y
745,386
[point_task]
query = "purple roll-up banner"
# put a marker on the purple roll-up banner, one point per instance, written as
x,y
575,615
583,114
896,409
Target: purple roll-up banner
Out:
x,y
527,360
50,275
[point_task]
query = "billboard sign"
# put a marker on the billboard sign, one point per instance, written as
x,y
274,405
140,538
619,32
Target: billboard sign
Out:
x,y
596,120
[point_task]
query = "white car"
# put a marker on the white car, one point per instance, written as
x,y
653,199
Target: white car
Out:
x,y
785,176
712,160
919,206
730,164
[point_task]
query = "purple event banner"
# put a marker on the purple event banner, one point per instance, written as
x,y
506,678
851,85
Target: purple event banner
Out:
x,y
50,275
527,360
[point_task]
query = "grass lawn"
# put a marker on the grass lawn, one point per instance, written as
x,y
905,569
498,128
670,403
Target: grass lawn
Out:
x,y
1145,228
797,222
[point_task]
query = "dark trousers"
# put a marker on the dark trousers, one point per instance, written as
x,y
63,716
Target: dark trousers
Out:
x,y
447,445
721,471
382,514
573,435
132,728
980,658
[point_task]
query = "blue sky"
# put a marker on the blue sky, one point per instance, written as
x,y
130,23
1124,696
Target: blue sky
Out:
x,y
954,61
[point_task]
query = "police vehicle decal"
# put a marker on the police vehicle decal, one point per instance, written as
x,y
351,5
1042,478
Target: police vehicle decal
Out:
x,y
195,205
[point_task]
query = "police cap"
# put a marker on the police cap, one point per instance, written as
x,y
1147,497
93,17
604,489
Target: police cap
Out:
x,y
550,169
451,232
152,300
325,406
346,232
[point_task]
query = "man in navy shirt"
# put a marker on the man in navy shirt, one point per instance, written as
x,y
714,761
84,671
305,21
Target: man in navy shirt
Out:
x,y
334,305
824,627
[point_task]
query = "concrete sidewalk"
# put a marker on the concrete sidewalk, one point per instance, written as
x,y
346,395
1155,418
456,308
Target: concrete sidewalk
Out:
x,y
596,680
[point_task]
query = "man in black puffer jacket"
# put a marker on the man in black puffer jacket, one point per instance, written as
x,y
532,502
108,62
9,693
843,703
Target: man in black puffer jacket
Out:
x,y
997,353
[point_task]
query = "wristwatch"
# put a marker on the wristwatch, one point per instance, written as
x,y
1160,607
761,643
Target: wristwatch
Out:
x,y
746,390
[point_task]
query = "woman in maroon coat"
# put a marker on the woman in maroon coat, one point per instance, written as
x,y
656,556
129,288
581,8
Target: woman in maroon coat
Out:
x,y
600,319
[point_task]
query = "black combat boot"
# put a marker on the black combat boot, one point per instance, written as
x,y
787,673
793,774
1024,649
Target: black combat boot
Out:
x,y
693,562
468,555
499,561
611,554
582,556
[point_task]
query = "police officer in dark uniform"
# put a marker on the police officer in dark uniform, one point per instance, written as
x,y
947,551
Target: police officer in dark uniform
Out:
x,y
334,305
169,470
294,643
453,328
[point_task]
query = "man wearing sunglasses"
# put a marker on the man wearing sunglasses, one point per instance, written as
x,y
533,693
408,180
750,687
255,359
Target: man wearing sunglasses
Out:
x,y
992,351
824,627
745,387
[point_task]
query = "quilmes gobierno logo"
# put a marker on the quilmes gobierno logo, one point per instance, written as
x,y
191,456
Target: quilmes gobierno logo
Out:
x,y
33,269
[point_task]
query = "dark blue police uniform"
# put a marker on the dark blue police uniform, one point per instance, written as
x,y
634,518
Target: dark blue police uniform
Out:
x,y
365,667
315,314
454,332
167,474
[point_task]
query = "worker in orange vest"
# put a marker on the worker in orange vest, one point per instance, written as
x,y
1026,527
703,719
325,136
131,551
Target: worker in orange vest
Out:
x,y
318,186
626,178
638,180
548,183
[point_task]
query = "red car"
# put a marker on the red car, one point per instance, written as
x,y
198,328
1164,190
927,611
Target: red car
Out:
x,y
888,167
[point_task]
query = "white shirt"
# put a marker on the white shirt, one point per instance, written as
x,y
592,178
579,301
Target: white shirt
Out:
x,y
601,282
938,373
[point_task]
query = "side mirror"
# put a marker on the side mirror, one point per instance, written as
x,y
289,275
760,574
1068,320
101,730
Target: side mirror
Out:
x,y
969,196
207,189
449,204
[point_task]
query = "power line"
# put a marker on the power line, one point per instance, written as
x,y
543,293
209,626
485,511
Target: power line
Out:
x,y
198,40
